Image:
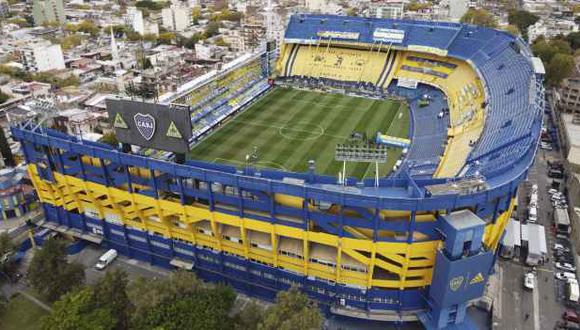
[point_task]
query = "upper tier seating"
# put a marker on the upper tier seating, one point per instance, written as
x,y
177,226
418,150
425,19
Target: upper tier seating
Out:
x,y
475,67
372,65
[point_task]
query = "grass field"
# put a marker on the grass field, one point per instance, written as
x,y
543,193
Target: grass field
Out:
x,y
21,314
289,126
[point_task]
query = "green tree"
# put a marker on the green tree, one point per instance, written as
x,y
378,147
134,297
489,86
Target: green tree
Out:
x,y
211,29
5,150
110,139
561,66
292,311
574,39
543,50
77,310
7,250
70,41
206,310
249,317
89,27
4,97
512,29
145,294
522,19
221,42
152,5
50,274
111,293
166,38
479,17
352,11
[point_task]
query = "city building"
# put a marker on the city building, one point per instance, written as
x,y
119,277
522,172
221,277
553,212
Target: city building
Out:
x,y
551,27
457,8
4,8
387,9
141,25
48,11
41,56
568,94
16,196
176,18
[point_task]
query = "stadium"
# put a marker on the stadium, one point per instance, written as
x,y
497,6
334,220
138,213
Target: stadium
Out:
x,y
372,163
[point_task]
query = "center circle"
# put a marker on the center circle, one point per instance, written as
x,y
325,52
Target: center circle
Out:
x,y
301,131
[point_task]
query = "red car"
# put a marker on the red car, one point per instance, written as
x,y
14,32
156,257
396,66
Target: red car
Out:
x,y
572,316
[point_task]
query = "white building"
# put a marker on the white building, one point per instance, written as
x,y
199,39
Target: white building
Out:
x,y
550,28
208,52
387,9
135,19
41,57
323,7
176,18
457,8
45,11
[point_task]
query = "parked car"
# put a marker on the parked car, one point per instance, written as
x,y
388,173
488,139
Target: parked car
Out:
x,y
564,276
529,279
559,246
570,315
565,266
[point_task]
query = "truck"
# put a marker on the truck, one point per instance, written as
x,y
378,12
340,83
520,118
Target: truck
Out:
x,y
573,291
106,259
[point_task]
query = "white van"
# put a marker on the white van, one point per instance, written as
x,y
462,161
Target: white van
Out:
x,y
106,259
533,215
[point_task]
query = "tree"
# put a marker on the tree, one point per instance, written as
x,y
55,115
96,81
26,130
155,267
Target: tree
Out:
x,y
166,38
4,97
512,29
543,50
574,40
145,294
77,311
522,19
479,17
151,5
207,309
50,274
7,250
110,139
561,66
221,42
111,293
179,302
211,29
5,150
293,310
249,317
70,41
352,11
104,306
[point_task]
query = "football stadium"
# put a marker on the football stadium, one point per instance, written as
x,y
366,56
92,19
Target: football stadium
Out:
x,y
372,163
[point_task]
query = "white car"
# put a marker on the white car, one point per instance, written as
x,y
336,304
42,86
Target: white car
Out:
x,y
558,246
565,266
565,276
529,281
552,191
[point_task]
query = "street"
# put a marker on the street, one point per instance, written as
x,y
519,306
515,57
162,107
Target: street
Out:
x,y
541,308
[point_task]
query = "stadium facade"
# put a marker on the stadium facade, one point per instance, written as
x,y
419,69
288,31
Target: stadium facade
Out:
x,y
420,245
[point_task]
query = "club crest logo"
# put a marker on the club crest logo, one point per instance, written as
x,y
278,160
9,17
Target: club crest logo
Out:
x,y
145,125
455,283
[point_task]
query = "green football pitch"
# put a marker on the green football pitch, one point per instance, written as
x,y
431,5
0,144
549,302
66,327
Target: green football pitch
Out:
x,y
288,127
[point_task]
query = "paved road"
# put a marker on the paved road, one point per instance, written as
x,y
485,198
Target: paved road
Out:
x,y
543,306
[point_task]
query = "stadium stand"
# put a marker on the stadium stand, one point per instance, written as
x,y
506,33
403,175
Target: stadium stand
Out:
x,y
372,65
